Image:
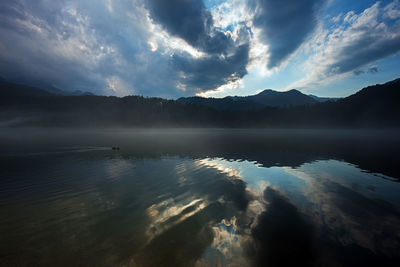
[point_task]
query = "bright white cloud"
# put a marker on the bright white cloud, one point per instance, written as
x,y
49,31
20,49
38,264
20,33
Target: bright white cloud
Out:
x,y
356,41
223,90
231,13
392,10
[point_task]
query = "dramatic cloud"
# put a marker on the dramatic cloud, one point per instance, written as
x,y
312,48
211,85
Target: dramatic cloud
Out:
x,y
183,47
119,47
74,45
211,72
189,20
225,53
284,25
356,41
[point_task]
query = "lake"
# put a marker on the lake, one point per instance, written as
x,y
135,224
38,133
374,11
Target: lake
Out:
x,y
199,197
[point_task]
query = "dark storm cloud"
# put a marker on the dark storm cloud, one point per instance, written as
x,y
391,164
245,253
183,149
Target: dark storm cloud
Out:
x,y
188,20
284,25
191,21
225,60
213,71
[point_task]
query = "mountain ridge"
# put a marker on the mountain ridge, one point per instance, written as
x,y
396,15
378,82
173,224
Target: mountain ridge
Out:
x,y
266,98
374,106
244,102
10,88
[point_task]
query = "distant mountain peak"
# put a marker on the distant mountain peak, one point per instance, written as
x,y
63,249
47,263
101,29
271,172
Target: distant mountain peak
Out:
x,y
265,98
266,91
271,91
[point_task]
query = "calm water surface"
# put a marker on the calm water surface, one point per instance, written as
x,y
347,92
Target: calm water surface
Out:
x,y
199,197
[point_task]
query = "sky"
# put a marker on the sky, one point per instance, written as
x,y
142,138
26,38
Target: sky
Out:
x,y
210,48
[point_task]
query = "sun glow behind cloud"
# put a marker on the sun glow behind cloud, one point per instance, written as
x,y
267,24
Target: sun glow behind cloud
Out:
x,y
160,39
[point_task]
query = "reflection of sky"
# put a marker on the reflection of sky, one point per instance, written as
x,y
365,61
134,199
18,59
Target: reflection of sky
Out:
x,y
169,213
331,193
258,178
368,184
292,181
227,248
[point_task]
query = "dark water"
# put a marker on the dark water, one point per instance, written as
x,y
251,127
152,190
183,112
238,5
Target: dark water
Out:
x,y
199,198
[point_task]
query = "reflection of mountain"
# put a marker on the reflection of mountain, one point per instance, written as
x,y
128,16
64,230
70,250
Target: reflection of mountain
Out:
x,y
374,106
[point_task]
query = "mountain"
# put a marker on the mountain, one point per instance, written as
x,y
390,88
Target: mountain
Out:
x,y
379,95
273,98
375,103
9,88
266,98
13,89
372,107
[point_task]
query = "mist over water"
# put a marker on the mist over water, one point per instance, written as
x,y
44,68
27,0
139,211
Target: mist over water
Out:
x,y
199,197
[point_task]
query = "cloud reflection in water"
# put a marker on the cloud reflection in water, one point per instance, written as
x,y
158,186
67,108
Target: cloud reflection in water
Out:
x,y
337,207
